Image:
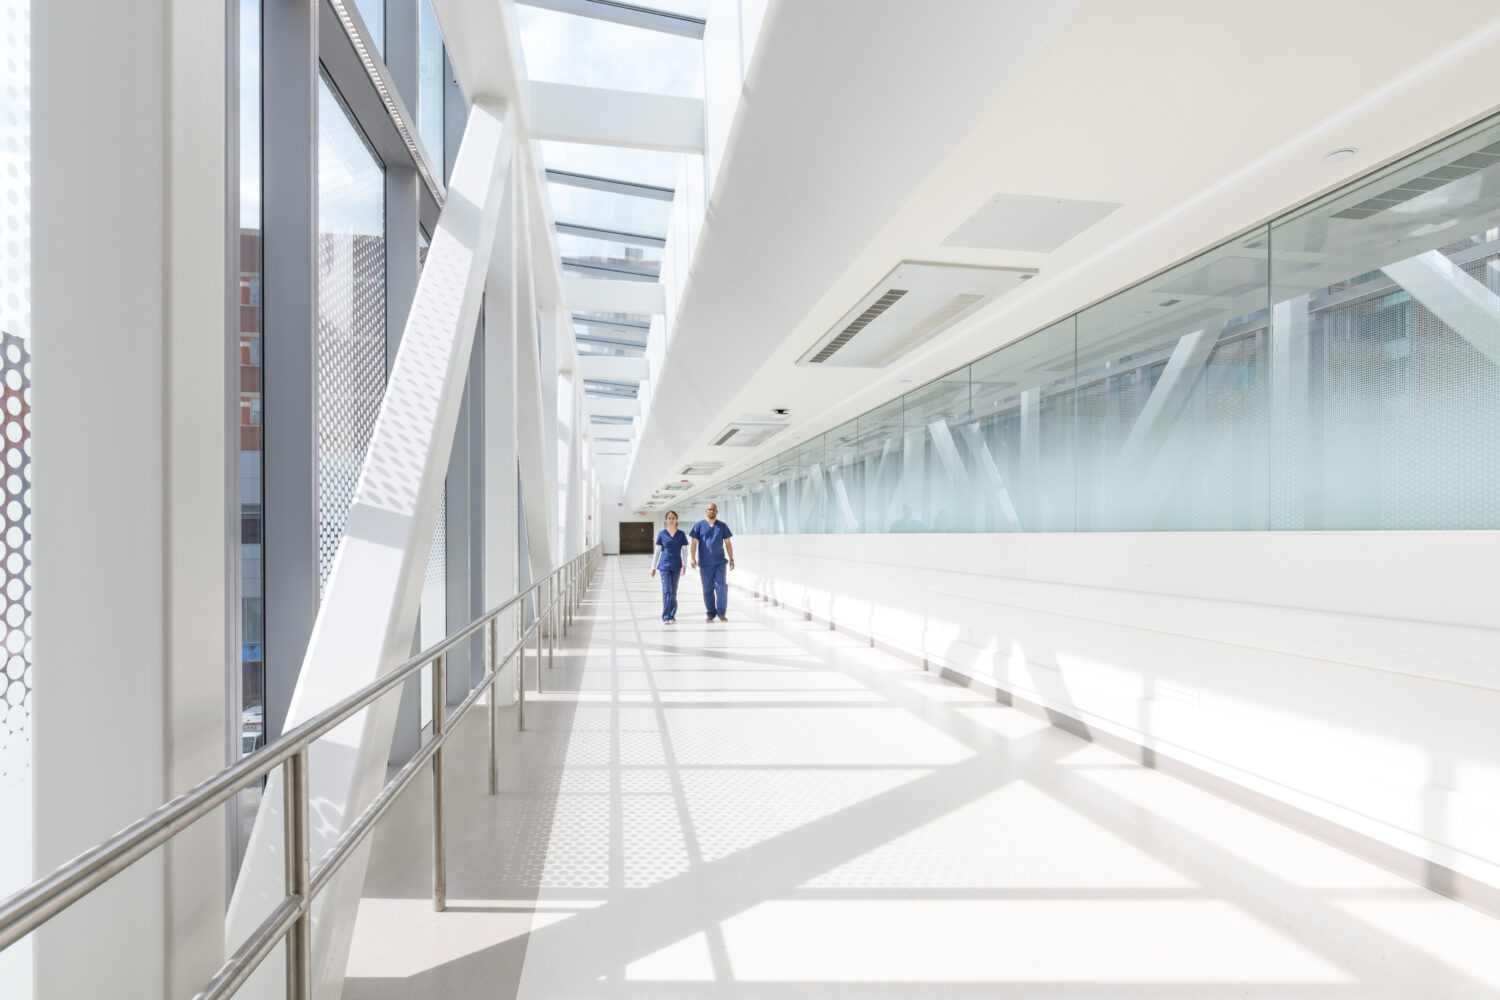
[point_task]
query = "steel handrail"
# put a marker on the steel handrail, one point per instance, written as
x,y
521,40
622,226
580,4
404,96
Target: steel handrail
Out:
x,y
34,905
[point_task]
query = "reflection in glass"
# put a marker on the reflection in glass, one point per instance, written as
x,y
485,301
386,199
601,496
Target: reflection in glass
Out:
x,y
351,313
935,478
1385,349
1020,434
1171,394
1338,369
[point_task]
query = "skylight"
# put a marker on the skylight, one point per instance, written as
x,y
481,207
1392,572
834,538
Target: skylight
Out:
x,y
586,51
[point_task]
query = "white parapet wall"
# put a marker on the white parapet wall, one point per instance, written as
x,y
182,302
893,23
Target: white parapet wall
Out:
x,y
1348,680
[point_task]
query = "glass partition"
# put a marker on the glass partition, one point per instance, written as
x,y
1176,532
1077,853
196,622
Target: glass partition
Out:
x,y
1020,434
1337,369
880,454
1171,389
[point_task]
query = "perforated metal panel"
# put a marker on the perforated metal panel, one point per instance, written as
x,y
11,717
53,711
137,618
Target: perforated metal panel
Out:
x,y
351,313
15,599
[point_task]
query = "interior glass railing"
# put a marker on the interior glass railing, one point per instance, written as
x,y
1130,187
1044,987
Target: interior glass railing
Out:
x,y
557,598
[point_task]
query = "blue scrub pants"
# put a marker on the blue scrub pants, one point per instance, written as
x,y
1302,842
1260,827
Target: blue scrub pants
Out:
x,y
715,587
669,578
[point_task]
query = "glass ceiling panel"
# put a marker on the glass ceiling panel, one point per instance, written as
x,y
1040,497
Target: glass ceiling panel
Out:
x,y
606,210
566,48
608,252
639,166
602,350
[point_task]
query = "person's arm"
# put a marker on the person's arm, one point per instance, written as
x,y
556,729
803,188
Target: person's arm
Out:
x,y
729,548
656,555
695,548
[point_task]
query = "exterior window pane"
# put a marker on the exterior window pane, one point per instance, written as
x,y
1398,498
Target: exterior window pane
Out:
x,y
430,86
252,665
372,12
351,313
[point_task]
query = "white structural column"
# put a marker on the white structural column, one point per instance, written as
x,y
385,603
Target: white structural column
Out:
x,y
130,480
531,421
501,552
1446,290
378,570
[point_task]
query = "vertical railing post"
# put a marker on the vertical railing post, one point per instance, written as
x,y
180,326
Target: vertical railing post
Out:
x,y
439,726
552,622
494,696
520,667
297,848
539,641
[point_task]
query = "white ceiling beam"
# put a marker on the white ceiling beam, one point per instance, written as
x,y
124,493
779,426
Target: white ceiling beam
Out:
x,y
626,369
615,117
621,448
609,295
600,406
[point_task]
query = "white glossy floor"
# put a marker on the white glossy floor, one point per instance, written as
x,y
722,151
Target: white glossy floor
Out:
x,y
766,808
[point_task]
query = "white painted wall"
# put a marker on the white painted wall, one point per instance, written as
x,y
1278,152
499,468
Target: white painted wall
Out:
x,y
612,494
132,522
1355,676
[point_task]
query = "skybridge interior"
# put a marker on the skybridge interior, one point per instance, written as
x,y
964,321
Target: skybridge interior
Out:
x,y
1103,398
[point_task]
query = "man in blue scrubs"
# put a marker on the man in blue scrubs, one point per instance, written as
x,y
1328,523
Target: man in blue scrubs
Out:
x,y
713,536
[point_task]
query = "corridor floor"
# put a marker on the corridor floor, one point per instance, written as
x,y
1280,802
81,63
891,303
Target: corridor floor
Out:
x,y
767,809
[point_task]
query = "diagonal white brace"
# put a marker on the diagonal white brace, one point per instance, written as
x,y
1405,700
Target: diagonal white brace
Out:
x,y
369,611
1453,296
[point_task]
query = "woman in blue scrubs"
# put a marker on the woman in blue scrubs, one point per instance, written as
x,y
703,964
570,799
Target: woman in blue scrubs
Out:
x,y
668,559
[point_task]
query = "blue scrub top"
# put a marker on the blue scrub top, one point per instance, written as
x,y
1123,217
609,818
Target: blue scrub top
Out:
x,y
671,549
711,541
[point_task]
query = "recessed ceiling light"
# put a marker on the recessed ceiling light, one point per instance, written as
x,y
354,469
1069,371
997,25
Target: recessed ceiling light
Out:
x,y
1342,153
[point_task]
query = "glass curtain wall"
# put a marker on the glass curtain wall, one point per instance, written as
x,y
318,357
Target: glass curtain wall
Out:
x,y
248,334
1337,369
351,312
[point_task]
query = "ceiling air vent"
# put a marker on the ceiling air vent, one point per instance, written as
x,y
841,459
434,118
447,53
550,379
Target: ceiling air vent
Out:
x,y
701,468
741,435
861,321
913,304
1417,186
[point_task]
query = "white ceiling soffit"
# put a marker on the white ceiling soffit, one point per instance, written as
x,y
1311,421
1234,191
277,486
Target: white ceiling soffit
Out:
x,y
1027,223
850,114
907,308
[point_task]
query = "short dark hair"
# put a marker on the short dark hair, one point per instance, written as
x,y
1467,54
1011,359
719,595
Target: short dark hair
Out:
x,y
670,513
